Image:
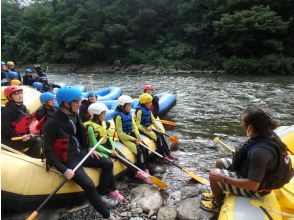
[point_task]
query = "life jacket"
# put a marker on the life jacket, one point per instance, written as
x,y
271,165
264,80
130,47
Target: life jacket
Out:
x,y
99,130
126,121
22,124
61,144
282,174
146,115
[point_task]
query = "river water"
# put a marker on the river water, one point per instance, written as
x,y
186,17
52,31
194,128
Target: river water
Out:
x,y
207,106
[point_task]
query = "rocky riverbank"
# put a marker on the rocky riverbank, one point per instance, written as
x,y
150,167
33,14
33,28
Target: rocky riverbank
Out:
x,y
132,69
143,202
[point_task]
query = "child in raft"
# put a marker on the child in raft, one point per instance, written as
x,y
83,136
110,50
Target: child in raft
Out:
x,y
129,135
97,127
144,122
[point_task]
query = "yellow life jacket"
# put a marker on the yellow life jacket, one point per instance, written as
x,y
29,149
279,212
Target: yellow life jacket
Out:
x,y
99,130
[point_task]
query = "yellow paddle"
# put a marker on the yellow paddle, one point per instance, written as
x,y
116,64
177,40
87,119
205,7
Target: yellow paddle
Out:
x,y
191,174
16,138
167,122
36,212
231,149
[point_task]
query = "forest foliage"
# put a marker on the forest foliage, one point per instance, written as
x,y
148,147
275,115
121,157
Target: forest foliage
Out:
x,y
239,36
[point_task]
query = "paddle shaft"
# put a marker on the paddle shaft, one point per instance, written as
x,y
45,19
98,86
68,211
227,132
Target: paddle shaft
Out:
x,y
34,214
162,157
158,132
128,162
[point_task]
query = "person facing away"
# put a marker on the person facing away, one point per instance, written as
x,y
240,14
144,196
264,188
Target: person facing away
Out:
x,y
28,78
145,122
260,165
65,145
129,135
84,113
15,122
155,101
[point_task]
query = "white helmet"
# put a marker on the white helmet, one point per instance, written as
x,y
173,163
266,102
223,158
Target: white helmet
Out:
x,y
97,108
124,99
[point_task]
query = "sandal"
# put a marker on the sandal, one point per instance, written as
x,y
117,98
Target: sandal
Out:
x,y
207,196
210,206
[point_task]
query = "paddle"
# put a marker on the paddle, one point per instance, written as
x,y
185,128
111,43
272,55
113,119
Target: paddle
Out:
x,y
231,149
155,181
172,138
167,122
36,212
191,174
20,138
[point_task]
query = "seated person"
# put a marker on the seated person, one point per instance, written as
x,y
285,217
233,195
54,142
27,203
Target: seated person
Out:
x,y
15,122
84,113
257,167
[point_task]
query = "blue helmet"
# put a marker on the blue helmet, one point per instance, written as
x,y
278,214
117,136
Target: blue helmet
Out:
x,y
12,75
46,96
91,94
37,85
68,94
28,71
3,63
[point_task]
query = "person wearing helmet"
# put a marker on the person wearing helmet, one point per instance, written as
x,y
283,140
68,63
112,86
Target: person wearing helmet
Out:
x,y
46,110
28,78
155,101
15,122
65,145
129,135
84,113
145,120
39,71
10,67
5,81
15,82
12,75
46,86
38,86
96,128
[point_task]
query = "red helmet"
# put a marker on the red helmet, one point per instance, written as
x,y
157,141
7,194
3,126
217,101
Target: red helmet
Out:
x,y
11,89
148,87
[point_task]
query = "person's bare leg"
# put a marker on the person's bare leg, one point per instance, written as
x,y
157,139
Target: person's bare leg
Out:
x,y
216,190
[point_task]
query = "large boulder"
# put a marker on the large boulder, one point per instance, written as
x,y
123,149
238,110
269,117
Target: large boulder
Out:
x,y
189,209
167,213
148,197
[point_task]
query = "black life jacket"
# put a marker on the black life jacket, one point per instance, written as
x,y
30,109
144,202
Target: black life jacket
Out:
x,y
283,172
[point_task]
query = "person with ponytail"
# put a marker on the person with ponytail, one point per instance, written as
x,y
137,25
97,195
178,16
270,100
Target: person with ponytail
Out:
x,y
260,165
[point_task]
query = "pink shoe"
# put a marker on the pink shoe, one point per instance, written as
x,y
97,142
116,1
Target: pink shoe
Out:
x,y
143,176
117,196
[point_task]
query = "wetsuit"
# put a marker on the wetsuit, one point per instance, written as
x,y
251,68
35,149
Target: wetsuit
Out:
x,y
62,126
28,80
11,114
84,113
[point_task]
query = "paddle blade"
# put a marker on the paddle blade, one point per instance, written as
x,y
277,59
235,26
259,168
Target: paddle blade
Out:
x,y
158,182
167,122
174,139
32,216
195,177
16,138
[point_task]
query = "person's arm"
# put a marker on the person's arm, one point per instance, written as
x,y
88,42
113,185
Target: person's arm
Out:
x,y
93,141
135,129
6,128
49,136
120,133
138,119
154,122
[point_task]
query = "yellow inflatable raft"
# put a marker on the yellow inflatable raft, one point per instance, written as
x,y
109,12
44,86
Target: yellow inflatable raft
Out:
x,y
278,205
26,183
